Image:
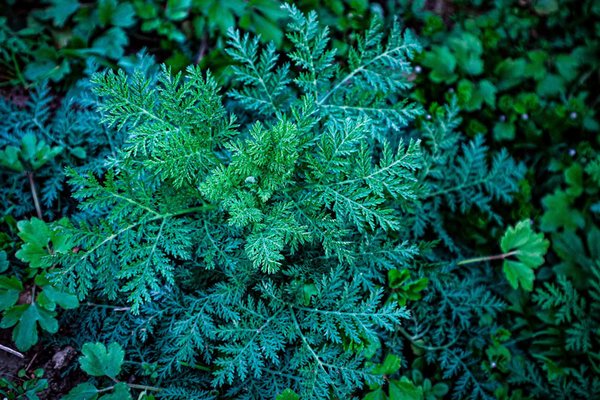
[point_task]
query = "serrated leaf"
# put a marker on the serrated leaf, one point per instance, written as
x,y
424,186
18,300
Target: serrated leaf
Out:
x,y
9,158
25,318
287,394
61,10
63,299
390,365
112,43
97,360
406,390
560,212
35,234
83,391
529,248
110,12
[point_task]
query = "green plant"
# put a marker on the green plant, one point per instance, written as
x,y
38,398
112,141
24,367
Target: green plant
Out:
x,y
59,35
99,360
244,244
29,387
27,298
38,140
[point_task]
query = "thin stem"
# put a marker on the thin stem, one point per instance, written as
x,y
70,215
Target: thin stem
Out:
x,y
131,385
114,308
144,387
11,351
413,340
487,258
36,201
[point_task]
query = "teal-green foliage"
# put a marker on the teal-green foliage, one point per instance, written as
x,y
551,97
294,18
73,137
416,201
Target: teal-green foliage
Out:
x,y
296,223
524,72
256,239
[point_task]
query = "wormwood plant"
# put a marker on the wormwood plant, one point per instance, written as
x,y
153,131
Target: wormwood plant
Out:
x,y
253,242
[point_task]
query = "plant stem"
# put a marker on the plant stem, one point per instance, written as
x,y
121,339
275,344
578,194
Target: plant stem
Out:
x,y
11,351
487,258
114,308
36,201
131,385
144,387
413,340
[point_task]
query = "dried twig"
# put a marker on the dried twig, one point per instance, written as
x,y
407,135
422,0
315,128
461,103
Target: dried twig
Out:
x,y
11,351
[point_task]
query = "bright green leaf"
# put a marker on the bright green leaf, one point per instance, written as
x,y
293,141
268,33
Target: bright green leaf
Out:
x,y
177,9
405,389
287,394
529,249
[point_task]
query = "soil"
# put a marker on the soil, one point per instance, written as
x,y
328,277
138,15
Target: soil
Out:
x,y
54,361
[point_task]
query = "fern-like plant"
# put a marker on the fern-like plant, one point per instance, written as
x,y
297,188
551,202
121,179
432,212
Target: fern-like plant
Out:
x,y
262,234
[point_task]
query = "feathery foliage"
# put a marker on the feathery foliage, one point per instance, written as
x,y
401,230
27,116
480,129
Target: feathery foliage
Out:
x,y
263,240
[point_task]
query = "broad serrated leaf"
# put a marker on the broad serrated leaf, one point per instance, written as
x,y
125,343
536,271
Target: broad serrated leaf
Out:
x,y
26,318
83,391
529,248
98,360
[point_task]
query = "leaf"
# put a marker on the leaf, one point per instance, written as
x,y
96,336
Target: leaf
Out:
x,y
560,212
529,248
10,288
488,92
504,131
574,178
377,394
120,392
442,63
61,10
43,68
9,158
35,234
112,43
405,389
3,261
287,394
26,317
177,9
110,12
83,391
390,365
38,236
63,299
97,360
